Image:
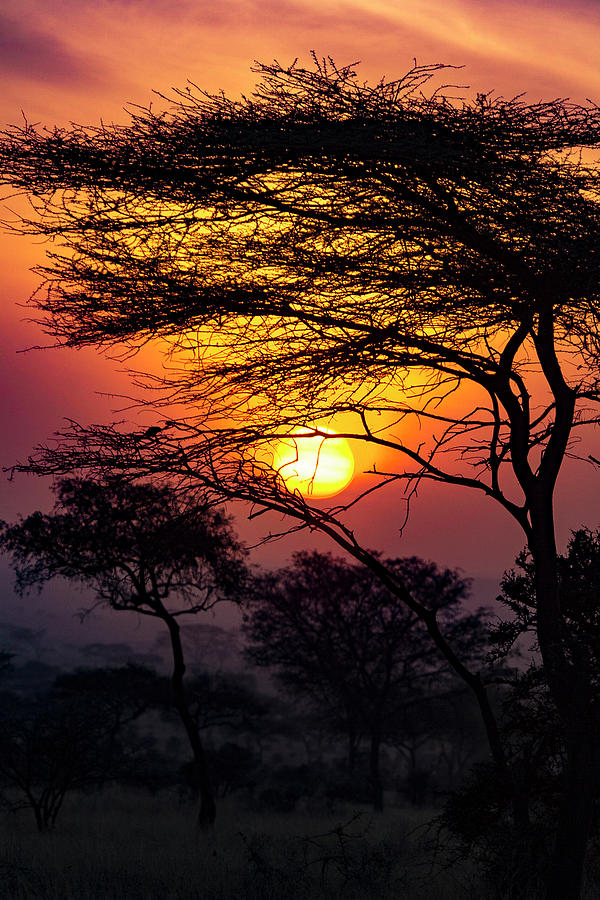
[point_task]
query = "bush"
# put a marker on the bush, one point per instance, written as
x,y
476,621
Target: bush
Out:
x,y
513,859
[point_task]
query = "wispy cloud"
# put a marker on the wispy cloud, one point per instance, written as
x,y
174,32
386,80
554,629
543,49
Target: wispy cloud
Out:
x,y
35,55
547,45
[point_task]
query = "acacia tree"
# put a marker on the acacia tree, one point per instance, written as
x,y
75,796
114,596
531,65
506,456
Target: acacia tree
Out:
x,y
334,633
328,247
70,737
141,548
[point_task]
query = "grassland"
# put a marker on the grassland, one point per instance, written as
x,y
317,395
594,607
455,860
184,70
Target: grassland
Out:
x,y
129,845
123,845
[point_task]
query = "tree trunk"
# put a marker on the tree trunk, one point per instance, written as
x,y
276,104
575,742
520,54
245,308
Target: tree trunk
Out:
x,y
374,773
352,744
208,809
569,685
565,877
476,685
39,819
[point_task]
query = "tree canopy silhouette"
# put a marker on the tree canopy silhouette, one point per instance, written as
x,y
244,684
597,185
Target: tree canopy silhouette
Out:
x,y
140,548
73,735
388,252
333,633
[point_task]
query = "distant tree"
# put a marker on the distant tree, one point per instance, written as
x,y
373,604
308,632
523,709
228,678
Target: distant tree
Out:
x,y
32,676
227,707
206,646
419,267
438,736
120,694
332,632
70,737
234,767
6,659
141,548
225,700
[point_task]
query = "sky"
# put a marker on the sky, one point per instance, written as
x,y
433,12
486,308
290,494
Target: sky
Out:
x,y
83,61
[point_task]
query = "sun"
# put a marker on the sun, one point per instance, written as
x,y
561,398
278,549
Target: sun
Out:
x,y
314,465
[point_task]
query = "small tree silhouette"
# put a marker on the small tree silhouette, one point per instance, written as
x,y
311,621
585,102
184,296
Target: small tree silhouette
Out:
x,y
143,549
69,737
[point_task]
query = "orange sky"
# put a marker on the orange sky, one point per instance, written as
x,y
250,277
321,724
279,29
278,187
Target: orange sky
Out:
x,y
79,60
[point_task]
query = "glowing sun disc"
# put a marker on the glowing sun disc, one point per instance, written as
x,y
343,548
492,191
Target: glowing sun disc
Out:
x,y
315,466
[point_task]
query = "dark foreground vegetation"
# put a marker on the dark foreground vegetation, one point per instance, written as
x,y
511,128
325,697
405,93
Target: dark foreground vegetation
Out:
x,y
126,843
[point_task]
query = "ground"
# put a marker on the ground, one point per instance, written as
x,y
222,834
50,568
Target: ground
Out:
x,y
127,845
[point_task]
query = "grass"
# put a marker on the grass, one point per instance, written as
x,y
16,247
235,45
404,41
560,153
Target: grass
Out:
x,y
128,845
124,845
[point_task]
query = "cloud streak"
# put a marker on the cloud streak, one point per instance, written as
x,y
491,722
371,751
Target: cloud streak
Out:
x,y
35,55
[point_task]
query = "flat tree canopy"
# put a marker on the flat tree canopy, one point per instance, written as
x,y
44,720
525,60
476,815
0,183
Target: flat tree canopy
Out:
x,y
327,247
391,255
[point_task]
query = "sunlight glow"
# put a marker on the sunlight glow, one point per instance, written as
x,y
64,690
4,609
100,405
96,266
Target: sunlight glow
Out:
x,y
315,465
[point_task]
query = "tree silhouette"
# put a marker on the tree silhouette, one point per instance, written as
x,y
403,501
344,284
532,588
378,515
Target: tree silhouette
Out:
x,y
531,701
533,734
69,737
579,579
140,548
333,633
328,247
5,662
